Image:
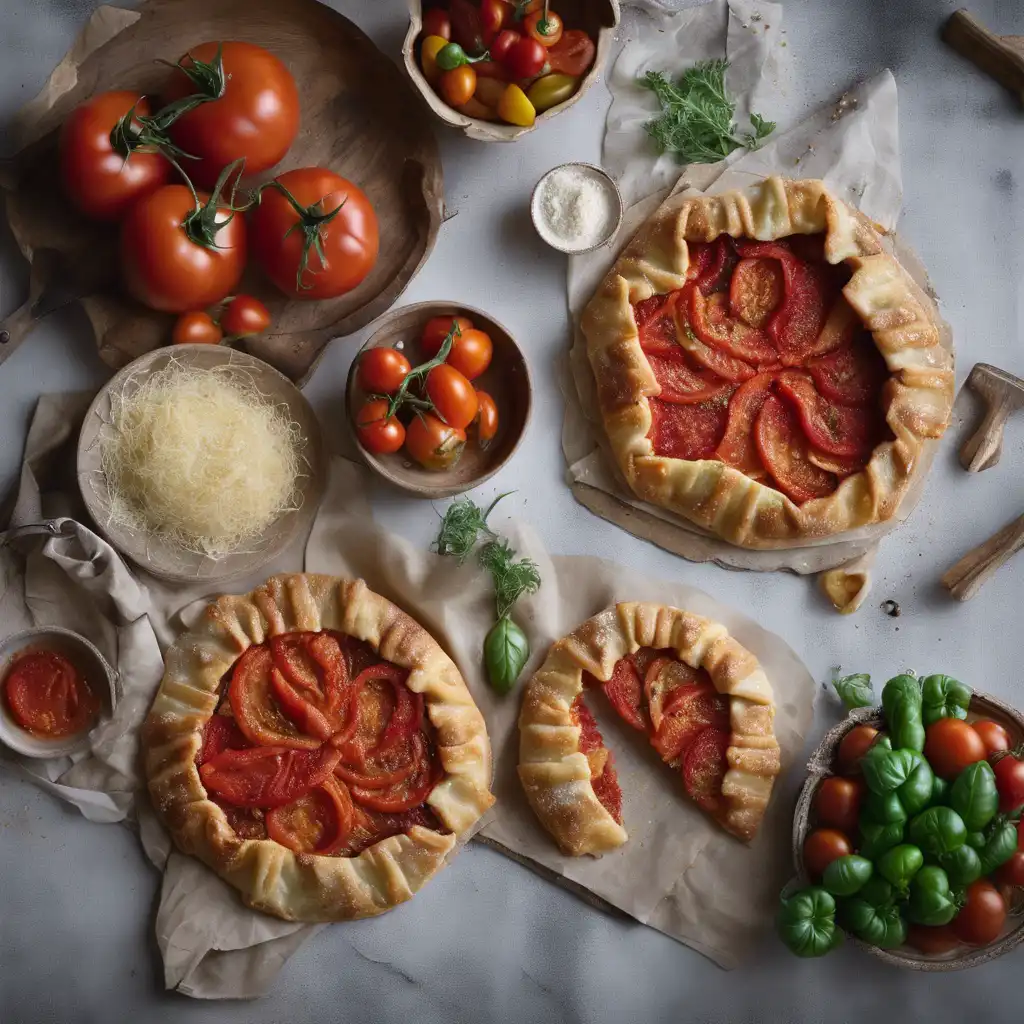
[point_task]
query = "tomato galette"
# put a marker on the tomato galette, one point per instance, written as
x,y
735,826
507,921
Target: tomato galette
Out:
x,y
764,368
315,747
702,700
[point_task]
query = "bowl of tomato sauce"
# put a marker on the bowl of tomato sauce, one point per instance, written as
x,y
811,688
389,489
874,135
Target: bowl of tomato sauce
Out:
x,y
55,688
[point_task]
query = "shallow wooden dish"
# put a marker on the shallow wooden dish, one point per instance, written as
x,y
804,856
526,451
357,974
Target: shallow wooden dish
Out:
x,y
599,18
158,556
507,381
358,117
820,767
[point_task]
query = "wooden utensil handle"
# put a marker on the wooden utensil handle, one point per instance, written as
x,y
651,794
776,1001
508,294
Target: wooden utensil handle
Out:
x,y
970,38
985,445
970,574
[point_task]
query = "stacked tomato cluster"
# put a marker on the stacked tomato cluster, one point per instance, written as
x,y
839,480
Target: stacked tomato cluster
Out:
x,y
319,745
763,365
229,109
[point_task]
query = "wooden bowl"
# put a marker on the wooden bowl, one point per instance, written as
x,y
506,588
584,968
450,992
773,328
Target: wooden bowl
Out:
x,y
599,18
157,555
507,381
820,767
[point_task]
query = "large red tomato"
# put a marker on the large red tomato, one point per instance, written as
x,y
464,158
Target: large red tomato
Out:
x,y
315,234
251,110
101,179
167,264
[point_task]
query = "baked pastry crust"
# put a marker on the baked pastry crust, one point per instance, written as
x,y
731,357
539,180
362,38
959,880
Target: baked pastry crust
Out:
x,y
556,774
917,399
269,876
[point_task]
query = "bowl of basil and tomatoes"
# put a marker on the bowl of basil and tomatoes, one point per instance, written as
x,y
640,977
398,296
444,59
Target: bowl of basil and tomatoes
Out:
x,y
906,837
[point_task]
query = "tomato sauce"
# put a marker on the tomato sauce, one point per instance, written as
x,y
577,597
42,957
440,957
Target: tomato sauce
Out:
x,y
48,697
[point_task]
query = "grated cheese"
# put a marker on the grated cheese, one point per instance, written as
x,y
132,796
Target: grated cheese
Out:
x,y
575,208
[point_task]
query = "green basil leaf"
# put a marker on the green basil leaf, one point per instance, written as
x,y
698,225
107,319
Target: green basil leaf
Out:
x,y
855,691
506,651
885,770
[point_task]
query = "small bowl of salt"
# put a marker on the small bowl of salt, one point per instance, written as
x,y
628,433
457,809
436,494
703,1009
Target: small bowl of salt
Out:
x,y
576,207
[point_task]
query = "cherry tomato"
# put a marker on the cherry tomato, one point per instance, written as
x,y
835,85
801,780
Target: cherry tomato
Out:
x,y
573,53
471,353
932,940
382,370
992,734
350,240
1012,871
436,330
1010,782
437,23
494,16
950,746
502,44
196,328
467,30
100,180
837,803
457,86
244,317
486,419
854,745
163,266
433,444
431,47
525,57
453,396
823,846
255,115
546,29
377,432
515,107
983,915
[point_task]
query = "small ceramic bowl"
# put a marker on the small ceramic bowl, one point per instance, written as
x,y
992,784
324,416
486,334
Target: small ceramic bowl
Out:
x,y
615,208
85,657
821,766
507,381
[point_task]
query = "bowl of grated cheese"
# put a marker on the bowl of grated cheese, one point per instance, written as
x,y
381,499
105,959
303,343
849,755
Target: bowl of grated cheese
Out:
x,y
576,207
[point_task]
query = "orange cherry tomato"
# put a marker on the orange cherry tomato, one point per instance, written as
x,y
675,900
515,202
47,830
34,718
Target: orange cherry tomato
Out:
x,y
377,432
823,846
983,915
196,329
382,370
854,745
950,746
486,419
244,317
992,734
436,330
458,85
433,444
452,395
471,353
546,29
932,939
837,803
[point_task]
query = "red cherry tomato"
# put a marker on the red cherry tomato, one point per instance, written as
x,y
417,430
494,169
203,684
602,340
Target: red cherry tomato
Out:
x,y
163,266
823,846
467,30
434,444
436,330
101,181
437,23
255,116
983,915
47,695
503,43
950,746
932,940
350,240
546,29
992,734
382,370
854,745
453,396
494,16
1012,871
377,432
471,353
196,329
244,317
837,803
1010,782
572,54
486,419
525,58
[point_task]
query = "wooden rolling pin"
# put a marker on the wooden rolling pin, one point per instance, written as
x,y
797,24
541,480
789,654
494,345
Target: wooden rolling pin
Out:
x,y
973,571
1001,57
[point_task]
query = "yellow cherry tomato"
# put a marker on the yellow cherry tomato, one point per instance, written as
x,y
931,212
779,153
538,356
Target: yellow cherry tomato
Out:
x,y
549,91
429,50
515,108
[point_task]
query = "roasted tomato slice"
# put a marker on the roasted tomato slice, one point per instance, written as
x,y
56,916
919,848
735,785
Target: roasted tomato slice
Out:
x,y
221,733
704,767
310,680
386,767
852,375
715,359
318,822
837,429
738,447
686,716
405,795
756,290
625,690
603,776
680,384
713,323
721,255
687,431
783,450
656,325
643,657
255,707
384,711
267,776
842,466
839,329
663,678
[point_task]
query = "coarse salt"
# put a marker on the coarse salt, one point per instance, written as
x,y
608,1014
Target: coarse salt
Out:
x,y
575,209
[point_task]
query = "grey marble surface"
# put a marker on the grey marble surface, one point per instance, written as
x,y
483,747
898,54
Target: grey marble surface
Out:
x,y
487,940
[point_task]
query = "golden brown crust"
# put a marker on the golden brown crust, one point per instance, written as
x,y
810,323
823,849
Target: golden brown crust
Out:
x,y
556,775
270,877
918,398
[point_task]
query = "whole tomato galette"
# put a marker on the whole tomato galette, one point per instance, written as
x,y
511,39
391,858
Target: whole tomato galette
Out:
x,y
315,746
764,368
702,700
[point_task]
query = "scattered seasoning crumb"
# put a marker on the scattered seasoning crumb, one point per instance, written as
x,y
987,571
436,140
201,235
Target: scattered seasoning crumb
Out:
x,y
892,609
845,104
756,16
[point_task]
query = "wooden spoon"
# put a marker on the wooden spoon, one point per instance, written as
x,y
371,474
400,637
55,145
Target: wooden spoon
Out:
x,y
1001,57
972,572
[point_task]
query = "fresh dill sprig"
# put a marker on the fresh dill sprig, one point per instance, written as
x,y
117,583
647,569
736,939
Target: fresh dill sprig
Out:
x,y
461,524
512,578
696,119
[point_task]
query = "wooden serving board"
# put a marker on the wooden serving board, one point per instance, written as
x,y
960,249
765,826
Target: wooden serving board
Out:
x,y
359,117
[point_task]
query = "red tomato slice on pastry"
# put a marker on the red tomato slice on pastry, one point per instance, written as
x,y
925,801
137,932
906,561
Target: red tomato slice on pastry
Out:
x,y
738,447
757,289
664,678
852,375
267,776
690,712
721,256
603,776
715,359
642,658
680,384
713,324
384,768
838,464
221,733
783,451
625,690
704,768
839,329
656,325
687,431
255,707
376,698
405,795
837,429
318,822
